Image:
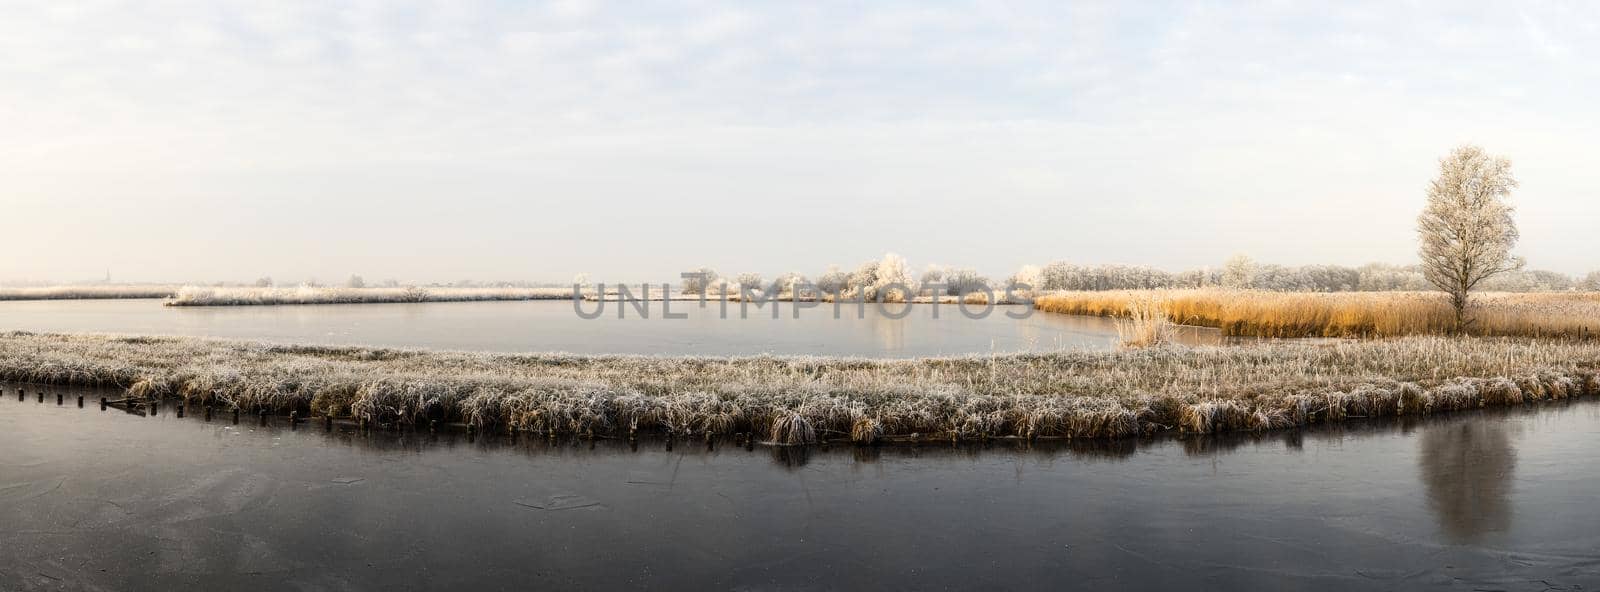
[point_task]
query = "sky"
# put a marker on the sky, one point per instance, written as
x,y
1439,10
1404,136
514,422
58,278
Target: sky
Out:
x,y
440,141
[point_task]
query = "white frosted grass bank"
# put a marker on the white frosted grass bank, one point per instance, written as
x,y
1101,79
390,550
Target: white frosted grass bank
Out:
x,y
1081,394
89,292
210,296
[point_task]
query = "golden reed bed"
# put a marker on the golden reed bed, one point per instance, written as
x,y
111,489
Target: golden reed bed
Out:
x,y
1347,314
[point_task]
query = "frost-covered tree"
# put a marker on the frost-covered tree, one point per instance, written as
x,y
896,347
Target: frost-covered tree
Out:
x,y
863,279
1239,272
1028,275
964,280
264,282
894,279
698,280
1060,275
355,281
833,281
1379,277
1197,278
749,281
1466,229
788,282
1276,278
721,287
1530,280
1591,282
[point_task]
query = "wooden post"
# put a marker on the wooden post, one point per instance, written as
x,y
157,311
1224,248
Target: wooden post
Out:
x,y
294,417
102,403
58,398
235,416
208,413
327,422
263,414
180,409
41,396
80,401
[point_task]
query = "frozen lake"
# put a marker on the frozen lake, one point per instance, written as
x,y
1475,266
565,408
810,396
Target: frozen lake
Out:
x,y
523,326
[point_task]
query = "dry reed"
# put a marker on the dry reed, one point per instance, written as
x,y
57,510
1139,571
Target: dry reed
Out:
x,y
1349,314
1145,323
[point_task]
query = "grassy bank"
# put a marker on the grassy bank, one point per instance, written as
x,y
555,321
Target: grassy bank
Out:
x,y
208,296
89,292
1348,314
789,400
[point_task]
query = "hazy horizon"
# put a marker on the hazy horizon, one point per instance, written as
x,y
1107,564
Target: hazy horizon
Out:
x,y
448,141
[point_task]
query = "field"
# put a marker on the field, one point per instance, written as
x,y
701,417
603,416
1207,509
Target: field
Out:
x,y
786,400
89,292
1348,314
209,296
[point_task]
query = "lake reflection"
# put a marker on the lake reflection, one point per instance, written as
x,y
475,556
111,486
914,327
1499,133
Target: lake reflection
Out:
x,y
1468,469
1497,500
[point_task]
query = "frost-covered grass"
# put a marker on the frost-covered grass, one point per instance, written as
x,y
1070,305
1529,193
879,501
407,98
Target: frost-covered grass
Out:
x,y
1349,314
1078,394
89,292
235,296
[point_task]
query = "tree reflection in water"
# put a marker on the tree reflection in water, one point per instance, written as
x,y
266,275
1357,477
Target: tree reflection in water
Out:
x,y
1466,469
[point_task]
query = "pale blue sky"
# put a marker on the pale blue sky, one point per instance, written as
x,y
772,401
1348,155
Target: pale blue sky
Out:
x,y
226,140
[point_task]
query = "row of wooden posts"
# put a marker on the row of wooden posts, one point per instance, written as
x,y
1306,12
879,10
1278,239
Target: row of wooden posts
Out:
x,y
153,406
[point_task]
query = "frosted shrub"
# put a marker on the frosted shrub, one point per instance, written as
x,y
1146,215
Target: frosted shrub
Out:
x,y
893,279
965,280
833,281
750,281
698,282
863,279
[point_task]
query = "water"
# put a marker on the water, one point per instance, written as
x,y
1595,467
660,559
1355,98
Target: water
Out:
x,y
1499,499
554,326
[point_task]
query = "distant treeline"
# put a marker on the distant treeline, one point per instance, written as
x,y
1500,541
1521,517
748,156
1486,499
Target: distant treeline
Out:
x,y
1241,273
